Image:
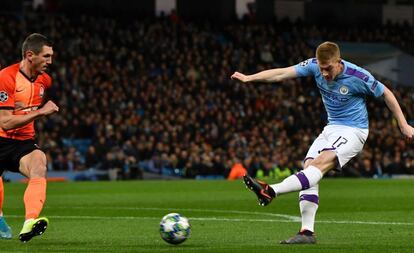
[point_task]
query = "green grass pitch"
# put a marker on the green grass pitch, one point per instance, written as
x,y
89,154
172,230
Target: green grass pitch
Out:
x,y
355,215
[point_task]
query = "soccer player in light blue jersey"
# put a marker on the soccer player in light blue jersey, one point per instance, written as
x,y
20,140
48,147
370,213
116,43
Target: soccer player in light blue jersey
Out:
x,y
344,87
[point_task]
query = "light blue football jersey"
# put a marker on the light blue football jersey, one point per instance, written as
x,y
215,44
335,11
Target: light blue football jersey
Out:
x,y
344,98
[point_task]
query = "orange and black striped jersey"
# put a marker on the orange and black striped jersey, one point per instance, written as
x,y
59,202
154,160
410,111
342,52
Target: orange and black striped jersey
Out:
x,y
22,95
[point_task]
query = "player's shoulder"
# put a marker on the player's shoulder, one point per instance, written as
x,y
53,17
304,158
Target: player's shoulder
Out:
x,y
9,71
355,71
307,67
45,79
308,62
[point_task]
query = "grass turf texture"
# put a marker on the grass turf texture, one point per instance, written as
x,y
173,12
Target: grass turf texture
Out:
x,y
354,216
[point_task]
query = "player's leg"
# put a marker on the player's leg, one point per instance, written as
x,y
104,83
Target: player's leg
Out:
x,y
309,198
308,204
341,144
308,177
351,145
345,141
300,181
5,231
33,166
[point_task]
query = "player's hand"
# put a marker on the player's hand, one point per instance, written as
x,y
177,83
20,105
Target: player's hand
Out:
x,y
241,77
48,108
408,132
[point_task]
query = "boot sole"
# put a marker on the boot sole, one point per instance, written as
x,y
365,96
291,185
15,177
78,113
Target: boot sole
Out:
x,y
37,229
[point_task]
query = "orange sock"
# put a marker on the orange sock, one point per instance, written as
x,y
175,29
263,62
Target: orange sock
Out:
x,y
1,195
34,197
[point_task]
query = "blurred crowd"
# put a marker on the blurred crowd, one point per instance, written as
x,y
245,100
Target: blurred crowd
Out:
x,y
157,96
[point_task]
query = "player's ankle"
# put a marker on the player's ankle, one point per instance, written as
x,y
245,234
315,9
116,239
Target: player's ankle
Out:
x,y
306,232
28,220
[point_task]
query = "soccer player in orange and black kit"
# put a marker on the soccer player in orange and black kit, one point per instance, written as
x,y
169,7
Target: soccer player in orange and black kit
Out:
x,y
22,87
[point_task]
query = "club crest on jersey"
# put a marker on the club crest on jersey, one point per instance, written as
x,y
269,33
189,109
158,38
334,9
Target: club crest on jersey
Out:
x,y
304,63
343,90
3,96
41,91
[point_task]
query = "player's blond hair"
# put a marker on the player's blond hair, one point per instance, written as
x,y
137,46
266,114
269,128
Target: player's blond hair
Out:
x,y
328,51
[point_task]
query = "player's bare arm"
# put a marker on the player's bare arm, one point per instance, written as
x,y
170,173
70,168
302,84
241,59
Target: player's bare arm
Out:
x,y
267,76
10,121
392,103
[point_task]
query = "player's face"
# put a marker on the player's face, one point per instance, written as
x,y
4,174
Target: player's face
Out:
x,y
330,69
41,61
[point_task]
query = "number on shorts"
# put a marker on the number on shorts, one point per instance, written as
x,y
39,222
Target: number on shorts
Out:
x,y
341,140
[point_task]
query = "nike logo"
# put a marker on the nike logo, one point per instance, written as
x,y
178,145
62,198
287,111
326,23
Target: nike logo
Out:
x,y
19,90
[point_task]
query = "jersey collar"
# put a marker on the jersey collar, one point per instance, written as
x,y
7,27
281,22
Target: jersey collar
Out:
x,y
27,77
343,71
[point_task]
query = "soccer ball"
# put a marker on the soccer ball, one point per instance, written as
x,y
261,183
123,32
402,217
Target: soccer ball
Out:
x,y
174,228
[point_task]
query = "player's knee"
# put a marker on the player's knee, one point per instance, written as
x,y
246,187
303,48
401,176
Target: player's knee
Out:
x,y
325,161
39,157
38,164
317,163
307,163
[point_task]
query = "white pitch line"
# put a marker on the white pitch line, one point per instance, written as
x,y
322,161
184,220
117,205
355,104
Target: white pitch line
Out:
x,y
366,222
285,216
85,217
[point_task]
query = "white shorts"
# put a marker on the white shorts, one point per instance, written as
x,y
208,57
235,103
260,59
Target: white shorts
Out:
x,y
345,141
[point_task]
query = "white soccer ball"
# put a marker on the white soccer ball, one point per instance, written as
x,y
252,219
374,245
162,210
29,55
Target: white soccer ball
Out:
x,y
174,228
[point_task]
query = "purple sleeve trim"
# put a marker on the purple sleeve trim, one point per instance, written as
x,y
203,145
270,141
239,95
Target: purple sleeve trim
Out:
x,y
356,73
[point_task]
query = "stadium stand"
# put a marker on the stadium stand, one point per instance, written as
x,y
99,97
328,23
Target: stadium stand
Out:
x,y
156,97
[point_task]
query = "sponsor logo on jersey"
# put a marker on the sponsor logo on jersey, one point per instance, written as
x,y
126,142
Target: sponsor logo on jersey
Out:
x,y
333,97
3,96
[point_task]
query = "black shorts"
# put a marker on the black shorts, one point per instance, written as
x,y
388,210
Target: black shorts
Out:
x,y
11,151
